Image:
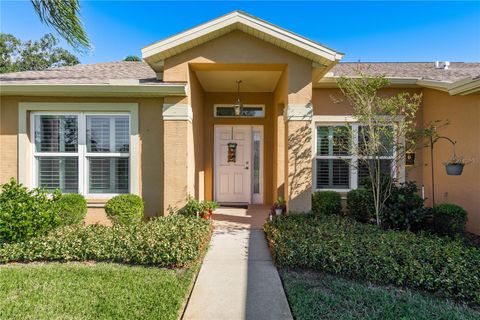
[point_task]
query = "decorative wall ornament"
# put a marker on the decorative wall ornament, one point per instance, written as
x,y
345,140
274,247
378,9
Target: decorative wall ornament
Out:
x,y
410,158
232,152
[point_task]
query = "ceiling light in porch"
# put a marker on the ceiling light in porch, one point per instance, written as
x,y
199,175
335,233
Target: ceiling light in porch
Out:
x,y
238,106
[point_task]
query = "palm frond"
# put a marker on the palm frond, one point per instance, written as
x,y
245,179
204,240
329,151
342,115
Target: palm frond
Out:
x,y
63,16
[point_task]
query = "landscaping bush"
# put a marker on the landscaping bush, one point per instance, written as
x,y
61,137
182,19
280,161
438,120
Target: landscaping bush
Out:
x,y
173,241
344,246
196,208
449,219
25,213
125,209
326,202
404,208
360,205
72,209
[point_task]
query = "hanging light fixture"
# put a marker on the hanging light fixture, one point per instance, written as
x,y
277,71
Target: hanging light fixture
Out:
x,y
238,106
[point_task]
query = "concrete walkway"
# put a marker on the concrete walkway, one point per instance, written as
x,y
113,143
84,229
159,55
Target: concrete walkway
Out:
x,y
238,279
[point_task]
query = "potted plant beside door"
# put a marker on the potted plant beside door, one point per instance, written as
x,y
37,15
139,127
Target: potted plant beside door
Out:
x,y
279,206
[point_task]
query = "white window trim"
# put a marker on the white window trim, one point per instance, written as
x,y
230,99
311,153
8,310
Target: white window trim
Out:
x,y
26,165
327,120
216,106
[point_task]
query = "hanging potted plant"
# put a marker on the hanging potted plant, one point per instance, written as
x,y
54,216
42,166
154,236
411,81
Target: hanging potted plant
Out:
x,y
455,166
279,206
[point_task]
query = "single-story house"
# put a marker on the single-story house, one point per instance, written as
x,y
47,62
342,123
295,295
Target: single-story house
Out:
x,y
171,125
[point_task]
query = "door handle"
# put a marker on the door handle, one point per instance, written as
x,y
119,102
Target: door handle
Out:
x,y
246,168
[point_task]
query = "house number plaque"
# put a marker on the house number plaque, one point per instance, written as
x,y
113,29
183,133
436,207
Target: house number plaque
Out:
x,y
232,152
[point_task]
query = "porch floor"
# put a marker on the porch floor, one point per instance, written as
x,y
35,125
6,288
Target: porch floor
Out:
x,y
238,279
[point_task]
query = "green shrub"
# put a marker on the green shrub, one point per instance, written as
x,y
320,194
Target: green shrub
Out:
x,y
72,209
404,209
343,246
197,208
360,205
326,202
125,209
449,219
25,213
173,241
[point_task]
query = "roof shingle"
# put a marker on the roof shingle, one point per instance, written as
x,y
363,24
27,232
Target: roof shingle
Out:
x,y
101,73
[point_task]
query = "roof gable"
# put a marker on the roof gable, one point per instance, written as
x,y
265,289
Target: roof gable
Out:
x,y
156,53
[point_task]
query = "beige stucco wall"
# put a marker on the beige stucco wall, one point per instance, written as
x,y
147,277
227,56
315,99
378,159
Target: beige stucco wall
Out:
x,y
463,113
197,102
280,100
8,139
151,145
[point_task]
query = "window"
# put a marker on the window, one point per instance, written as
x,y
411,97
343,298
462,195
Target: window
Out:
x,y
249,111
335,166
82,153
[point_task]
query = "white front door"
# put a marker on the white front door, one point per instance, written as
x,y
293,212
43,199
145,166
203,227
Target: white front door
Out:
x,y
233,164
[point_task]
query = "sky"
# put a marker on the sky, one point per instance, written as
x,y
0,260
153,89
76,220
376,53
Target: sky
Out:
x,y
364,31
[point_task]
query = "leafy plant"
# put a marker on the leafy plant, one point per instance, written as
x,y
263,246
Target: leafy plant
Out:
x,y
63,16
343,246
360,205
457,160
125,209
72,208
26,213
173,241
404,209
449,219
326,202
195,208
280,203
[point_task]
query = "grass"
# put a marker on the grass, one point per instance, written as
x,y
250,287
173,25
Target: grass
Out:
x,y
92,291
314,295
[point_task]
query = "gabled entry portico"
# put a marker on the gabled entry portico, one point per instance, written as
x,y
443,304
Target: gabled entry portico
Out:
x,y
277,68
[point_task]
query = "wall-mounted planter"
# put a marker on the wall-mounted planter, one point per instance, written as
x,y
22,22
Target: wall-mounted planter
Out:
x,y
454,169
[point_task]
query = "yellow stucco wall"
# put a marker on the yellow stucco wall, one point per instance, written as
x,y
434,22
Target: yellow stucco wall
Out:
x,y
332,102
463,113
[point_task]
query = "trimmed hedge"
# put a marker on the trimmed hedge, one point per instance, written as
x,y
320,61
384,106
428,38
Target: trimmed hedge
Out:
x,y
24,213
326,202
343,246
72,208
173,241
125,209
360,205
449,219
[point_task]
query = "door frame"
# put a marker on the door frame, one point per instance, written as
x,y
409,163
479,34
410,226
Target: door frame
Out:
x,y
254,198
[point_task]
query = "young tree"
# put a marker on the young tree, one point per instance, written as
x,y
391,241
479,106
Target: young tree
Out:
x,y
16,55
386,131
63,16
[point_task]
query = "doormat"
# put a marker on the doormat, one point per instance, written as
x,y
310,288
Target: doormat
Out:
x,y
239,206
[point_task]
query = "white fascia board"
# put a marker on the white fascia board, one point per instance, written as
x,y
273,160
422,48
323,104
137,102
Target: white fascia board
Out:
x,y
93,90
465,86
461,87
250,21
434,84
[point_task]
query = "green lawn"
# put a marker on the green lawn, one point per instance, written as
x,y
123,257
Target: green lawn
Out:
x,y
321,296
92,291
